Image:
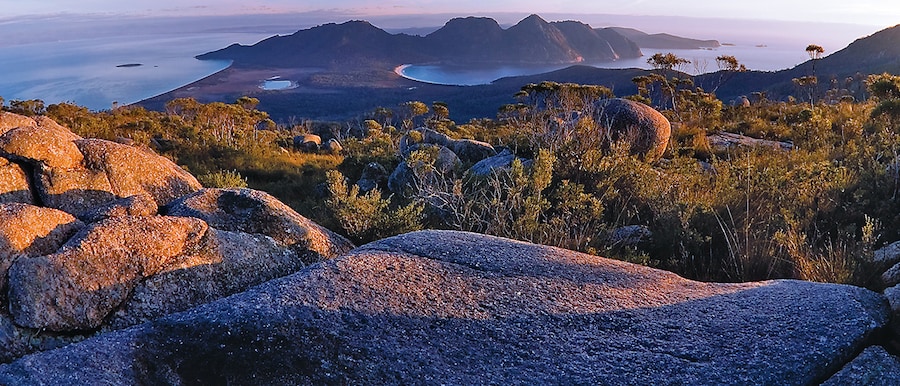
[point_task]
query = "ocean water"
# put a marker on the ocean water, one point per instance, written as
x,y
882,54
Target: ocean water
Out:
x,y
762,58
88,72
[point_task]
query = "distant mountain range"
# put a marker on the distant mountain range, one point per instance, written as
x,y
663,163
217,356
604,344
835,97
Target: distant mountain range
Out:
x,y
664,41
460,41
352,76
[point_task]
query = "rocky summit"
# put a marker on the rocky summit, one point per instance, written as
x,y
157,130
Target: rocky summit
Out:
x,y
117,267
444,307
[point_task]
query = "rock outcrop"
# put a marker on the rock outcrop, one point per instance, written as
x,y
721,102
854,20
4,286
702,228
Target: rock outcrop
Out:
x,y
94,272
75,175
307,142
645,130
435,162
29,231
252,211
14,185
84,249
458,308
488,165
467,150
874,367
725,141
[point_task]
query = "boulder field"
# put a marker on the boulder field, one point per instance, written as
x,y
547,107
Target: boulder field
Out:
x,y
159,281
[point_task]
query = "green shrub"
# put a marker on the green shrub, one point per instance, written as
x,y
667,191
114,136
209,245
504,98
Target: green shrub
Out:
x,y
368,217
223,179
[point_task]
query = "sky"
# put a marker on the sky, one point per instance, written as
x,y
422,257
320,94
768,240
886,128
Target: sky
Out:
x,y
882,13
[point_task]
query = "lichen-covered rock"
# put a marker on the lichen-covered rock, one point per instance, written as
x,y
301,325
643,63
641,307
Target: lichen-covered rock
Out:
x,y
136,205
887,255
10,121
472,151
646,130
226,263
873,367
467,150
132,170
27,230
46,145
457,308
488,165
253,211
14,185
430,161
891,277
308,142
94,272
630,236
725,141
893,296
333,146
73,190
373,175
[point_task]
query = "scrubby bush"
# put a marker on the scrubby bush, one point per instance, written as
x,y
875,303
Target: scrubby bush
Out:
x,y
223,179
815,212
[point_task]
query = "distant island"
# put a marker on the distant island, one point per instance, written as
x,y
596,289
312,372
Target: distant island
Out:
x,y
126,65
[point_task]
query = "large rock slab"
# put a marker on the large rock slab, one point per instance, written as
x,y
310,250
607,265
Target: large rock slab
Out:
x,y
873,367
14,185
253,211
136,205
94,272
440,307
52,146
27,230
725,141
133,170
10,121
226,263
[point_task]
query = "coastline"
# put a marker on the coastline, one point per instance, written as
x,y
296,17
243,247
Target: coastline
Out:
x,y
401,71
184,86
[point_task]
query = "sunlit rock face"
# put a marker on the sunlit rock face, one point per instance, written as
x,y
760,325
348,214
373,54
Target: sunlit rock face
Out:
x,y
84,249
644,129
461,308
75,174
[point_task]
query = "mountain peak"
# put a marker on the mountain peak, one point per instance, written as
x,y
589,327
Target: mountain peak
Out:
x,y
533,19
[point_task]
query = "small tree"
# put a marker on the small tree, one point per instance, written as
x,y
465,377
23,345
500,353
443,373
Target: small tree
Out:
x,y
664,64
728,66
412,110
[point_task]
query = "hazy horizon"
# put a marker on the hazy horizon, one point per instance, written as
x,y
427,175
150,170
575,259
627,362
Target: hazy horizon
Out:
x,y
59,27
865,12
31,30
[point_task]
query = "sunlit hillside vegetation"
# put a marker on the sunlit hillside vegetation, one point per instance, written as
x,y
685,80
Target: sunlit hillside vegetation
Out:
x,y
726,214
